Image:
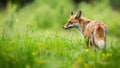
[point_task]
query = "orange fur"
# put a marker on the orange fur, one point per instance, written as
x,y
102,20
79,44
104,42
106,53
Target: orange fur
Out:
x,y
100,32
94,30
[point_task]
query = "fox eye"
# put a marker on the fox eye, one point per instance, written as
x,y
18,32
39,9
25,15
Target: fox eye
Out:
x,y
70,22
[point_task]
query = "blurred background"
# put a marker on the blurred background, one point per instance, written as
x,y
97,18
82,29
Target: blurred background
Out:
x,y
31,34
52,15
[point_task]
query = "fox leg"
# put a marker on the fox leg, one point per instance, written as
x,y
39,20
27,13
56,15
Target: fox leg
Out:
x,y
93,44
87,42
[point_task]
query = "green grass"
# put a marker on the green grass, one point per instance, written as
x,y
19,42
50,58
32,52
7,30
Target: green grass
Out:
x,y
35,38
46,49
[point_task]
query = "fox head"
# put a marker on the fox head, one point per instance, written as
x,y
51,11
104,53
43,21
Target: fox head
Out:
x,y
73,21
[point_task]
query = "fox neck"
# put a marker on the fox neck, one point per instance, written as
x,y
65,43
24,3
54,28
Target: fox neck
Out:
x,y
80,26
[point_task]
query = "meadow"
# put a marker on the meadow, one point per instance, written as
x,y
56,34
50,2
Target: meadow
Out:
x,y
33,37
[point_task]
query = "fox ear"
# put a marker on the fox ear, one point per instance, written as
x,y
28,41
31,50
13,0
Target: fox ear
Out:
x,y
78,15
72,13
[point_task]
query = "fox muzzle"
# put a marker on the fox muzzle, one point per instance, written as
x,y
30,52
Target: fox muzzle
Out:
x,y
69,26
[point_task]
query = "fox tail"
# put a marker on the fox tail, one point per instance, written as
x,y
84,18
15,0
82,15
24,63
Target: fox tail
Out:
x,y
100,36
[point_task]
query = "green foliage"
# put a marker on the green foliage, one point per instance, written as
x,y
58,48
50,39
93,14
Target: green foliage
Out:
x,y
34,38
46,49
115,4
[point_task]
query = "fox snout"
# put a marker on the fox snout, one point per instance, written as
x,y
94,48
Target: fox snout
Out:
x,y
65,27
68,26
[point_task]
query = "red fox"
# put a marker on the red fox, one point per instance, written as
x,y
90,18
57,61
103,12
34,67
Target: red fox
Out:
x,y
95,31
